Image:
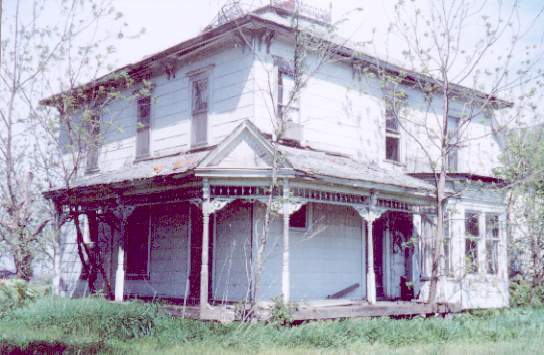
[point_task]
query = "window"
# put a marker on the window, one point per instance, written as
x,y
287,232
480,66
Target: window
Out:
x,y
392,132
472,235
199,123
299,219
447,244
453,141
92,124
492,237
137,243
287,110
143,126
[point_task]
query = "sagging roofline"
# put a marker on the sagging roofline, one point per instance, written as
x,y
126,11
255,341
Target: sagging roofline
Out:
x,y
349,54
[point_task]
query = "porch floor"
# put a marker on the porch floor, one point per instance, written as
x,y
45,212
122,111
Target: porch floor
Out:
x,y
316,310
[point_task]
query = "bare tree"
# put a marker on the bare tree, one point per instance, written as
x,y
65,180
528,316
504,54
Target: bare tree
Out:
x,y
51,48
462,59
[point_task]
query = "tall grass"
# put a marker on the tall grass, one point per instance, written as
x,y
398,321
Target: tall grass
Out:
x,y
92,325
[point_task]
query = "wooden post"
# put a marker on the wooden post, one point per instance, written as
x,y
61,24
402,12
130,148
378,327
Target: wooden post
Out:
x,y
370,214
204,272
209,207
370,273
285,281
122,213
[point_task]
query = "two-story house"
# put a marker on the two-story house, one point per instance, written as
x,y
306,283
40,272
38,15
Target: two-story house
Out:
x,y
179,192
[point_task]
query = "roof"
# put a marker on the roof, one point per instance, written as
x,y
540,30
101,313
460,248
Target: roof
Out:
x,y
343,49
230,158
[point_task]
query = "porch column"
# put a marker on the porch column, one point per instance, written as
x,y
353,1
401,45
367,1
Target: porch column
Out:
x,y
288,207
370,214
122,213
209,206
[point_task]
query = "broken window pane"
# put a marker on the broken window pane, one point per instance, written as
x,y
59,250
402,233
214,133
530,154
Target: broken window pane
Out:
x,y
200,96
391,117
392,148
298,219
492,232
287,99
143,126
199,122
472,228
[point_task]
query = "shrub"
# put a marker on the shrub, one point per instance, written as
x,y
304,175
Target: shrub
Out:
x,y
523,293
15,293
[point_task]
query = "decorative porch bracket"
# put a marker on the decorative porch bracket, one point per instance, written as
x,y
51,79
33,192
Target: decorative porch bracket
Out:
x,y
122,212
286,206
209,207
370,214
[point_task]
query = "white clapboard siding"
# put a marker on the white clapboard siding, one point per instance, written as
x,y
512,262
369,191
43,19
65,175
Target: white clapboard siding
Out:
x,y
169,253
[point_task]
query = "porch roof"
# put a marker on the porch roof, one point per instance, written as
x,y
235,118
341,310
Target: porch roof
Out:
x,y
295,160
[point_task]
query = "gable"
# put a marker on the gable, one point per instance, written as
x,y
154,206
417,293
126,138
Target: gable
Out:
x,y
243,152
244,149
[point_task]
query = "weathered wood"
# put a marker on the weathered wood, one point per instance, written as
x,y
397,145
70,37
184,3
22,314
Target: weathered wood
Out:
x,y
343,292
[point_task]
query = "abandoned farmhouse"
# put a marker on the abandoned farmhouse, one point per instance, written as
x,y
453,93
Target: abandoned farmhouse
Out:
x,y
178,197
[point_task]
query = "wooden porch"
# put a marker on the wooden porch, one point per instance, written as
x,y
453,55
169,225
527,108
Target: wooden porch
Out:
x,y
319,310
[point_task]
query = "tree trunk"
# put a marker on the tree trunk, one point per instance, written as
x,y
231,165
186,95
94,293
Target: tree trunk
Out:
x,y
22,258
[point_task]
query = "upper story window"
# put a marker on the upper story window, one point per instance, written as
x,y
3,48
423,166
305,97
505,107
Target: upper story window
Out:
x,y
492,238
392,132
453,141
199,122
143,126
138,243
288,105
92,143
472,238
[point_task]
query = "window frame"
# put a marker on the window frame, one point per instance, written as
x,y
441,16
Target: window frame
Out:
x,y
294,110
453,149
473,239
494,242
145,275
93,144
392,133
139,104
199,113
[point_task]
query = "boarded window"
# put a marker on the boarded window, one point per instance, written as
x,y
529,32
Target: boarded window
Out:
x,y
137,243
453,142
92,124
143,126
299,219
199,123
392,132
492,239
472,235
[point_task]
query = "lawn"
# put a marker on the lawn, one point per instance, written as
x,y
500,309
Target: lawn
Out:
x,y
97,326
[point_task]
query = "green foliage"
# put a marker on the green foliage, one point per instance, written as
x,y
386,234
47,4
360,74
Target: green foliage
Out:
x,y
96,325
281,313
524,293
88,317
14,294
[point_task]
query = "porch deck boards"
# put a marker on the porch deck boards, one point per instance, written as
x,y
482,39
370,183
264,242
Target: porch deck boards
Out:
x,y
322,310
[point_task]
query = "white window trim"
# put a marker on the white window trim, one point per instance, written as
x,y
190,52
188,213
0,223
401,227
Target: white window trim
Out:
x,y
195,75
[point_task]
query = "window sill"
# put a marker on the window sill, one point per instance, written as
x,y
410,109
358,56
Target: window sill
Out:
x,y
137,277
142,158
91,171
395,162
